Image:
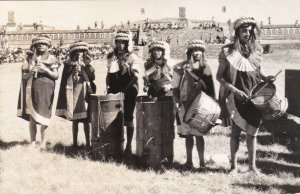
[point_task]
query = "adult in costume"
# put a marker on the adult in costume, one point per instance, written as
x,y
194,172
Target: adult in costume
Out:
x,y
239,71
159,70
36,98
122,76
190,78
75,87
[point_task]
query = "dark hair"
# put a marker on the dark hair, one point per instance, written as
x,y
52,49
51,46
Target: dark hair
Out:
x,y
253,44
190,51
252,34
73,56
126,46
152,56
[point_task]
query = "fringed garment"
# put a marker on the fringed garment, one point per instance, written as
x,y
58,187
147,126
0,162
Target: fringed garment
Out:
x,y
36,98
128,65
157,76
243,73
72,102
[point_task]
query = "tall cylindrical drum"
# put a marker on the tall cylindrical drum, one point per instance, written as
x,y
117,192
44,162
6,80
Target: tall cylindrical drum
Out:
x,y
107,125
155,130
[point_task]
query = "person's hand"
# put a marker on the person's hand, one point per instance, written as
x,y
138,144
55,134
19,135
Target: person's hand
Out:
x,y
81,63
241,96
270,78
34,69
167,87
41,68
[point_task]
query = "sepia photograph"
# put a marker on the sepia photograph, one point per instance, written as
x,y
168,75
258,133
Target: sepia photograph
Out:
x,y
150,97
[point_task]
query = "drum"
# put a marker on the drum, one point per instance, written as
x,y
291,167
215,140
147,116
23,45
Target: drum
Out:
x,y
203,113
107,123
266,98
155,134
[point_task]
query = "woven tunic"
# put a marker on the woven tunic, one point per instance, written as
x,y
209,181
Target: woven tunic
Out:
x,y
39,93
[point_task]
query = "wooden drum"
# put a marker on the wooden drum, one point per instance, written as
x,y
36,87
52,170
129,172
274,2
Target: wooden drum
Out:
x,y
107,122
203,113
155,130
266,98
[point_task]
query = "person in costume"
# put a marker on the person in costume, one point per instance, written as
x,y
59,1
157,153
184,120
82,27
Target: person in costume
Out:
x,y
123,69
192,77
157,83
238,72
158,70
36,99
76,86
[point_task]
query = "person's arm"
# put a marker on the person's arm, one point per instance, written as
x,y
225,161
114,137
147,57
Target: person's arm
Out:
x,y
223,65
52,72
222,71
175,85
134,61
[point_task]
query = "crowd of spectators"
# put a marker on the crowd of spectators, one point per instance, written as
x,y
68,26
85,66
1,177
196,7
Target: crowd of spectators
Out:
x,y
157,27
11,55
15,55
208,25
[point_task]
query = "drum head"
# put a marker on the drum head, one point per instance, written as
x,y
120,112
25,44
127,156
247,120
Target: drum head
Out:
x,y
262,92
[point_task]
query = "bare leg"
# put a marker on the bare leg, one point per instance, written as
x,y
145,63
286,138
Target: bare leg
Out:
x,y
86,127
251,146
43,133
200,148
189,144
234,146
32,129
75,132
129,131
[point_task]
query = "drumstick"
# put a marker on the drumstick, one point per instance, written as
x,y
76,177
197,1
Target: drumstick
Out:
x,y
278,73
265,84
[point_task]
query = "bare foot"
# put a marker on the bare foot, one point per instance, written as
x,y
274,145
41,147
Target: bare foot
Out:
x,y
233,171
189,166
33,144
254,171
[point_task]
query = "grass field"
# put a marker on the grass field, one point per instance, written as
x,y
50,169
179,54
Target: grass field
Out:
x,y
62,169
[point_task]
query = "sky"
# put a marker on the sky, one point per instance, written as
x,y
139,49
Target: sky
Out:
x,y
69,14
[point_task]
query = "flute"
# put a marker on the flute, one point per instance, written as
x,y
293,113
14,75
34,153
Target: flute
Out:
x,y
80,58
36,61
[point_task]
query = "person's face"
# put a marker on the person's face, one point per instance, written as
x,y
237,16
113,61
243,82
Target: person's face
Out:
x,y
78,54
157,53
120,45
244,33
197,54
41,47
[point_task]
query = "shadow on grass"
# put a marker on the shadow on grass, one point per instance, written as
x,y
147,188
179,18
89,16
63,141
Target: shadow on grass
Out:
x,y
182,168
269,167
291,158
285,187
133,162
71,151
8,145
284,130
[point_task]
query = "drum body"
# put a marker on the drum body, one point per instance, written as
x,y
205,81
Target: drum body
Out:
x,y
203,113
107,122
155,130
268,101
